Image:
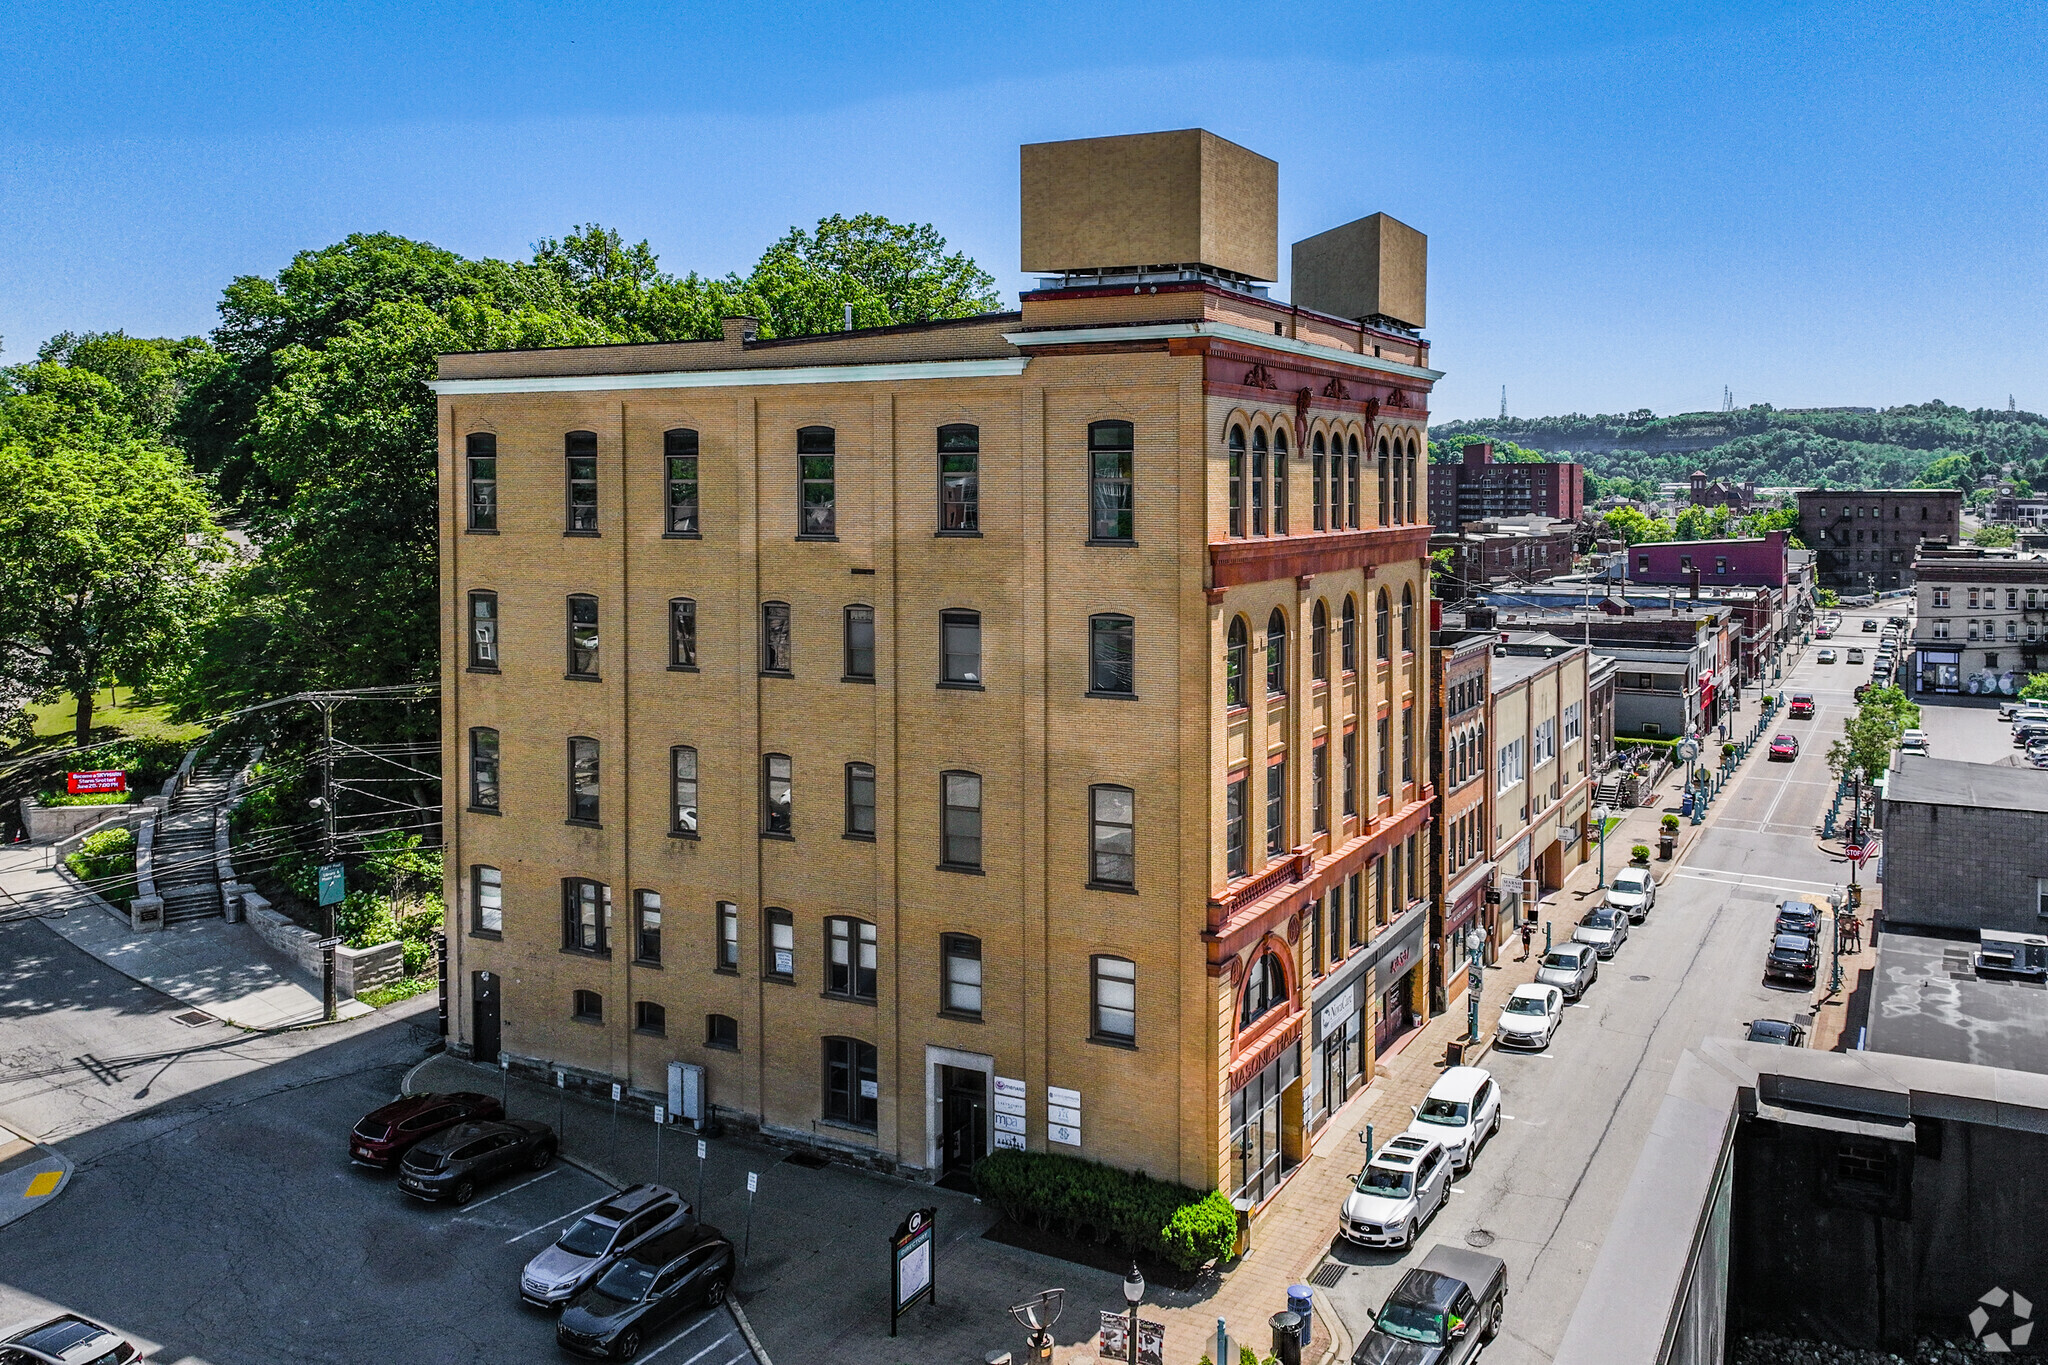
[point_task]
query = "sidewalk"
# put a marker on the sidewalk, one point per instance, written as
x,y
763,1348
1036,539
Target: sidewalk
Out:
x,y
31,1175
221,968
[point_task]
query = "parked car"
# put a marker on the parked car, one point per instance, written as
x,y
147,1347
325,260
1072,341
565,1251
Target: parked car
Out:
x,y
1870,625
1914,742
593,1243
383,1136
1898,621
1400,1189
1781,1032
2008,709
1855,654
664,1277
1827,656
1785,747
1823,633
1461,1111
1794,958
1633,890
1442,1312
1531,1015
453,1162
1798,917
68,1340
1802,706
1604,928
1571,967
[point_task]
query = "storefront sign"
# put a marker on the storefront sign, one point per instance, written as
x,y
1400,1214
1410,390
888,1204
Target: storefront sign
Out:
x,y
911,1272
1063,1115
1332,1016
97,782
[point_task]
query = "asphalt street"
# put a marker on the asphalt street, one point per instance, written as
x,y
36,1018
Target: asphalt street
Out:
x,y
214,1216
1543,1193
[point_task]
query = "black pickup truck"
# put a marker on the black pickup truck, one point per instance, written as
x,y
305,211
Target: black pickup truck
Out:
x,y
1443,1312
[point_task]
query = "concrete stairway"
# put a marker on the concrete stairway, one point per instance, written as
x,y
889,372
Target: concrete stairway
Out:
x,y
185,875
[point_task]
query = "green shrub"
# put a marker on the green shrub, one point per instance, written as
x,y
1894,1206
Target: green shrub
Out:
x,y
107,861
1669,824
417,956
1640,852
364,920
1089,1202
86,798
419,927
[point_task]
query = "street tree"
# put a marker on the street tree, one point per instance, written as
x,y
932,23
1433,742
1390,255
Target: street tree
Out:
x,y
107,542
1634,527
1869,736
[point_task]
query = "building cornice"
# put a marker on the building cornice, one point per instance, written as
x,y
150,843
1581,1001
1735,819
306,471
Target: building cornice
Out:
x,y
892,372
1221,331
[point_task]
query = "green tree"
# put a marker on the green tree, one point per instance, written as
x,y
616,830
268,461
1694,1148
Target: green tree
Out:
x,y
1995,535
890,272
155,375
1634,527
1826,597
1870,735
1700,523
108,539
2036,687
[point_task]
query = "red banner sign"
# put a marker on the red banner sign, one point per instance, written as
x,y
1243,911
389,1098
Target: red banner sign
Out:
x,y
86,784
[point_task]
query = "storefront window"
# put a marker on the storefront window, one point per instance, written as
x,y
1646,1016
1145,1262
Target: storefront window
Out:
x,y
1257,1160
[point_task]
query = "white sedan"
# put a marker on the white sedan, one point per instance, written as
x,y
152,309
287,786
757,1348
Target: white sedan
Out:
x,y
1531,1016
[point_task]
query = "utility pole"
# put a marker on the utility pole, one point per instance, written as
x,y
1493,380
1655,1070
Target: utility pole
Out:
x,y
326,856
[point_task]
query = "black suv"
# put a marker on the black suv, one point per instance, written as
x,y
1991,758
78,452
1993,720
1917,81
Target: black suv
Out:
x,y
1798,917
1794,958
661,1279
453,1162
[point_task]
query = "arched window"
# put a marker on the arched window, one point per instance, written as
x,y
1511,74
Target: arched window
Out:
x,y
1113,825
1386,485
1354,484
1383,629
579,450
1258,483
682,811
1236,660
1276,654
1265,990
1112,643
1407,618
1414,480
1237,481
1280,463
1350,640
1318,453
1400,487
1319,643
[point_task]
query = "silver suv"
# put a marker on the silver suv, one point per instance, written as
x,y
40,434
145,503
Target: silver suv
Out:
x,y
594,1242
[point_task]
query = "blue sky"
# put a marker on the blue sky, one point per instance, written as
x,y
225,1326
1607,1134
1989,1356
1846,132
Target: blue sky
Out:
x,y
1627,205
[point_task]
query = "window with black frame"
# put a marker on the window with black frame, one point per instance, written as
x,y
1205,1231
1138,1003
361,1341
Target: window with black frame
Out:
x,y
586,915
960,828
776,640
482,458
859,632
778,796
1236,662
487,899
647,928
580,456
850,953
679,456
1318,453
960,479
483,632
1236,839
1353,492
682,633
1350,634
726,930
860,801
1319,642
1112,647
961,958
586,1007
778,945
960,649
1236,457
1276,808
1113,817
1281,464
1319,787
1276,654
650,1018
1111,451
722,1031
583,775
1115,998
582,641
851,1093
483,769
1259,482
682,760
816,458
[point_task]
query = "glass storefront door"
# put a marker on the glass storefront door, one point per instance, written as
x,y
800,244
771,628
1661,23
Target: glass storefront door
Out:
x,y
1255,1128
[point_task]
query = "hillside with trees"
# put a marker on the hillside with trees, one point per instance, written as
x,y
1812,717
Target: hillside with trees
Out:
x,y
1926,445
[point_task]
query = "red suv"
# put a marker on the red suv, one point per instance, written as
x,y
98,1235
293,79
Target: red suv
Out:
x,y
383,1136
1802,706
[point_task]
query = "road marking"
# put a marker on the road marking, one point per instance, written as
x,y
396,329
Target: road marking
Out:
x,y
563,1218
685,1332
43,1184
1730,872
514,1190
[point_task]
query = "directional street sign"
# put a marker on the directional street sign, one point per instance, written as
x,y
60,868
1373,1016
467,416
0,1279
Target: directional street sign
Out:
x,y
333,890
326,943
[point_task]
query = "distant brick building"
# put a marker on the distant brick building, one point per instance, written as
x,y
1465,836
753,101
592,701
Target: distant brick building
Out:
x,y
1518,550
1737,497
1748,563
1477,489
1866,537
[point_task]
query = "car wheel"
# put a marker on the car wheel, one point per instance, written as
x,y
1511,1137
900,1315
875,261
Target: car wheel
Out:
x,y
1492,1328
715,1294
463,1191
542,1155
629,1345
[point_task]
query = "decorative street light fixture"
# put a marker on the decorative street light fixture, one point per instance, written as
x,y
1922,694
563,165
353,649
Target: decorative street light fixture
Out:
x,y
1603,814
1134,1290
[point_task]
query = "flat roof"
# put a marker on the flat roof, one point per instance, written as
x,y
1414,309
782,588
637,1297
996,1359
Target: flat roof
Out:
x,y
1926,1000
1948,782
1510,669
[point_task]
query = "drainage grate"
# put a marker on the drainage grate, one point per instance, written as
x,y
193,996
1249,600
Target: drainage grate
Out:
x,y
1639,978
193,1018
1329,1275
1479,1237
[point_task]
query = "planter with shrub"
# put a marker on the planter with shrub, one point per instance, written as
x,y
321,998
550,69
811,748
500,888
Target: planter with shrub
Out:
x,y
106,862
1086,1202
1640,853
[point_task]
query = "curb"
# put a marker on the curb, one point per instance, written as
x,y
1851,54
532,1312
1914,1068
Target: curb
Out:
x,y
31,1176
739,1316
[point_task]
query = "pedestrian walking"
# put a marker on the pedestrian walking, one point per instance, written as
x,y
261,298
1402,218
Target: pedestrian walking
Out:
x,y
1528,936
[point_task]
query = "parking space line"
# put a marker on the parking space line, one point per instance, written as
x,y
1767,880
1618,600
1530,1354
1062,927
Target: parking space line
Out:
x,y
1695,874
471,1208
709,1316
559,1218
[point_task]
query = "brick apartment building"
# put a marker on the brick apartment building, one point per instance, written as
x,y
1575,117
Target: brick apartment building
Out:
x,y
1981,616
997,732
1477,489
1865,539
1511,550
1460,693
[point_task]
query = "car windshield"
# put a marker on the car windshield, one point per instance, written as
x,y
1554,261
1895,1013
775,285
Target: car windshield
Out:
x,y
1768,1029
1599,919
1629,881
588,1237
1441,1111
1383,1182
1564,961
1412,1324
628,1281
1526,1004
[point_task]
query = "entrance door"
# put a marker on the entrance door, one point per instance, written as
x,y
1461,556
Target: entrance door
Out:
x,y
483,1033
963,1119
1395,1018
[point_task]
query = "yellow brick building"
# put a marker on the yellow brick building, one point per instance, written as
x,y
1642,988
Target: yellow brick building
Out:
x,y
1001,732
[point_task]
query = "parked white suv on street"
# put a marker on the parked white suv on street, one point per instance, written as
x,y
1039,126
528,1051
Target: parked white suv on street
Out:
x,y
1633,889
1461,1111
1401,1187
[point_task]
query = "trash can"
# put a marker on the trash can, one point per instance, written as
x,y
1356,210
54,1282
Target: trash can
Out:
x,y
1301,1301
1287,1338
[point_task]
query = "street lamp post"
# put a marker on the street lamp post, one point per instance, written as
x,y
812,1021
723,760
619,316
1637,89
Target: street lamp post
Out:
x,y
1134,1290
1603,814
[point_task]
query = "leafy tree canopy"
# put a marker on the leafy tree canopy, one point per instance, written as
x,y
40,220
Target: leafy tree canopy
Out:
x,y
1634,527
1992,536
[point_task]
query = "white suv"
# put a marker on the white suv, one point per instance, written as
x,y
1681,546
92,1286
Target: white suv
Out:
x,y
1461,1111
1403,1185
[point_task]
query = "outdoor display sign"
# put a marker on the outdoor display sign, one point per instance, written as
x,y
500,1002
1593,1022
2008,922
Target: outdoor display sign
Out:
x,y
94,783
1151,1342
1116,1340
1063,1115
911,1274
333,890
1010,1124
